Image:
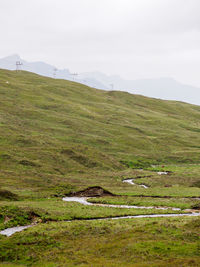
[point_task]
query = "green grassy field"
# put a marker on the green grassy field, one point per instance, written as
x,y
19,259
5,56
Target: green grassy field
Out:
x,y
59,137
150,242
182,203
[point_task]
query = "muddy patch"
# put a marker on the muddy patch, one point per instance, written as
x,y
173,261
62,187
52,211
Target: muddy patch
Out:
x,y
7,195
95,191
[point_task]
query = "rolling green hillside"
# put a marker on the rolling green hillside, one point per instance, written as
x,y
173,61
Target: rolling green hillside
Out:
x,y
58,137
50,128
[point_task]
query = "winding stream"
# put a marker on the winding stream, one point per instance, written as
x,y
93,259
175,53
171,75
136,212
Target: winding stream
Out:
x,y
130,181
12,230
83,200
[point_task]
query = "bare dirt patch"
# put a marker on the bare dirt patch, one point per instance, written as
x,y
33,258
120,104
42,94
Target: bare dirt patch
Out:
x,y
95,191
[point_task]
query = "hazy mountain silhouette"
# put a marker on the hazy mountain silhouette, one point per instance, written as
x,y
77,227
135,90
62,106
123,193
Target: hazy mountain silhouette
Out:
x,y
164,88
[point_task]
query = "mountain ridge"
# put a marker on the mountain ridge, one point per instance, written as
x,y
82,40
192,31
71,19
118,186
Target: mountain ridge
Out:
x,y
163,88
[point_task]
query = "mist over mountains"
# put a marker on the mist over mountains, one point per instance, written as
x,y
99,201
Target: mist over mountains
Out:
x,y
164,87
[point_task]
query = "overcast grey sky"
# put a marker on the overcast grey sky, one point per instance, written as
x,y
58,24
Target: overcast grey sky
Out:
x,y
133,38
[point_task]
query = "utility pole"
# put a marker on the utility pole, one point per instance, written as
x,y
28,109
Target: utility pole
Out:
x,y
54,72
74,75
112,86
18,65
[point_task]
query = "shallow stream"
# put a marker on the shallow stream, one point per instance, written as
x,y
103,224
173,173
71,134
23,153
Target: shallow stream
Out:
x,y
83,200
130,181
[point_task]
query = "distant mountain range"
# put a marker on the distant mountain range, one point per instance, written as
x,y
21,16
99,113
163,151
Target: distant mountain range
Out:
x,y
48,70
164,88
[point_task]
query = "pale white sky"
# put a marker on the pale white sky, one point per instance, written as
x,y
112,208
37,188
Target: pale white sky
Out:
x,y
133,38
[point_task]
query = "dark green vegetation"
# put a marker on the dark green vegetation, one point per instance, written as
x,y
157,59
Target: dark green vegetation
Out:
x,y
58,137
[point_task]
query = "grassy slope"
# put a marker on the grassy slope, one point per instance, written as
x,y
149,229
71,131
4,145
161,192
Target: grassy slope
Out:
x,y
57,136
53,128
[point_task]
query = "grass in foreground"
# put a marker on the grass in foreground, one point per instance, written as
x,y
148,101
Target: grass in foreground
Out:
x,y
149,242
